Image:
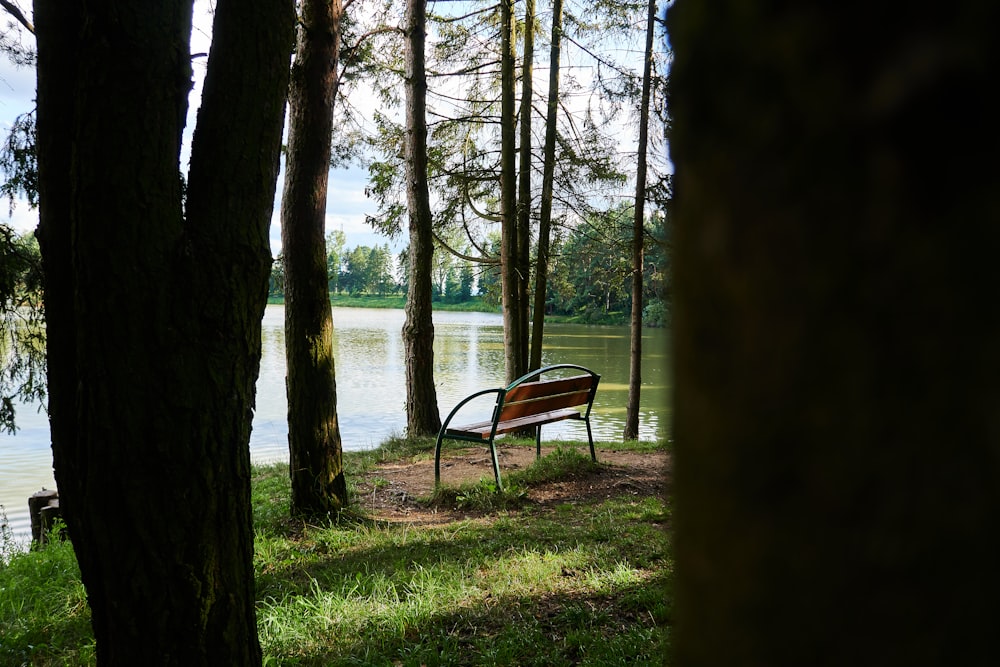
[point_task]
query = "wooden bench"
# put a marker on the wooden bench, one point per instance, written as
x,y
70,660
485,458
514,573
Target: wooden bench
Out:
x,y
526,403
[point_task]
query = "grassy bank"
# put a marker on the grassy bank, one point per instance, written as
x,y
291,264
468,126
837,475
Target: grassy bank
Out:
x,y
505,581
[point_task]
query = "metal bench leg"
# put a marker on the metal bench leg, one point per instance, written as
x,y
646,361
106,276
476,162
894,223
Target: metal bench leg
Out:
x,y
590,439
437,462
538,441
496,465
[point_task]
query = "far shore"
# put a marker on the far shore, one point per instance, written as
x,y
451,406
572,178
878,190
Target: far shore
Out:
x,y
474,305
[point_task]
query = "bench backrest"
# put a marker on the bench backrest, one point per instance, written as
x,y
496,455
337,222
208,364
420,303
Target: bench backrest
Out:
x,y
533,398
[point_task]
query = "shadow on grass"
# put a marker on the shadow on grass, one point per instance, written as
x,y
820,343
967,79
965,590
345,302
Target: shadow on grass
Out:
x,y
619,531
509,589
626,626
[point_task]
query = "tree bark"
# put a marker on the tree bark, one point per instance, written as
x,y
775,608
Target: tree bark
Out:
x,y
422,416
639,214
154,323
314,443
548,178
510,284
835,338
524,185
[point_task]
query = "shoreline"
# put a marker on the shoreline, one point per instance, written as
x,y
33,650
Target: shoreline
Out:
x,y
475,305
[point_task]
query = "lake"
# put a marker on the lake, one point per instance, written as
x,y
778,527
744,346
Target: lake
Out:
x,y
371,389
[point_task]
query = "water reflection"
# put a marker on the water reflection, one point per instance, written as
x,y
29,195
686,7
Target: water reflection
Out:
x,y
468,356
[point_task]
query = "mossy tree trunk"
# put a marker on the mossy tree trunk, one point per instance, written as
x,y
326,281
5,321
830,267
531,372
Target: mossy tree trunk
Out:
x,y
154,305
314,443
835,334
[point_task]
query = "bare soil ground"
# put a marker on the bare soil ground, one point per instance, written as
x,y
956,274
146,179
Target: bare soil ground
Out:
x,y
392,492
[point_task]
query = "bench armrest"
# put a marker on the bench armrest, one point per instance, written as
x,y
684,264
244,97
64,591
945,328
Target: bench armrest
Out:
x,y
467,399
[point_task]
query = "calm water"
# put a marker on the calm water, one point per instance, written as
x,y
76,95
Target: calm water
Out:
x,y
371,389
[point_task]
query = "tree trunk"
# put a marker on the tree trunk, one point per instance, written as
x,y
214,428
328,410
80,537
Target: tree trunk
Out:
x,y
635,322
835,335
548,177
154,322
524,185
422,416
508,200
314,444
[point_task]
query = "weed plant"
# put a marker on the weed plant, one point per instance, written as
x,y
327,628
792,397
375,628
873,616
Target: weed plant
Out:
x,y
513,584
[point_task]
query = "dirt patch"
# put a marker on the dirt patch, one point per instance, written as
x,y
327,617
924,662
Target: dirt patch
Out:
x,y
391,492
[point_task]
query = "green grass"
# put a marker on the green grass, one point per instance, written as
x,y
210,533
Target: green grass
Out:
x,y
513,584
44,619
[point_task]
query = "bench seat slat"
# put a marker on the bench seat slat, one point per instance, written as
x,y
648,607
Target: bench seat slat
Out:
x,y
541,405
529,390
483,428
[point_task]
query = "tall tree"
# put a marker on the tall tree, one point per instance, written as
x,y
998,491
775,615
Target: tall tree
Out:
x,y
153,306
474,135
635,324
548,177
314,443
835,341
422,416
524,183
514,359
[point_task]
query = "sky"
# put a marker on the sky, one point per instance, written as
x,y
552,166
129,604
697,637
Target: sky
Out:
x,y
347,205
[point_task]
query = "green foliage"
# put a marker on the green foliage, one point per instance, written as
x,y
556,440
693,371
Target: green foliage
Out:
x,y
590,268
368,270
18,162
656,314
276,282
466,278
22,329
335,242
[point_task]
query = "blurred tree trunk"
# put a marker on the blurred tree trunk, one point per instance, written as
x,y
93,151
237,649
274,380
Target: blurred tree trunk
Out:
x,y
314,443
422,416
835,334
154,308
635,322
548,176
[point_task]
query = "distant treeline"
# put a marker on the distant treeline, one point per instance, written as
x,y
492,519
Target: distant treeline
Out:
x,y
588,278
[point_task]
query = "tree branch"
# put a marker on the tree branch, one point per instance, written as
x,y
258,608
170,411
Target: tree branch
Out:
x,y
16,12
468,258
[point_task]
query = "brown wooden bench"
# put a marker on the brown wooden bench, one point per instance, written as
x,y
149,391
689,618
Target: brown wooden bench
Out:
x,y
526,403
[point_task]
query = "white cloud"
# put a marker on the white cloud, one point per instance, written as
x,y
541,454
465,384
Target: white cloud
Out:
x,y
23,219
